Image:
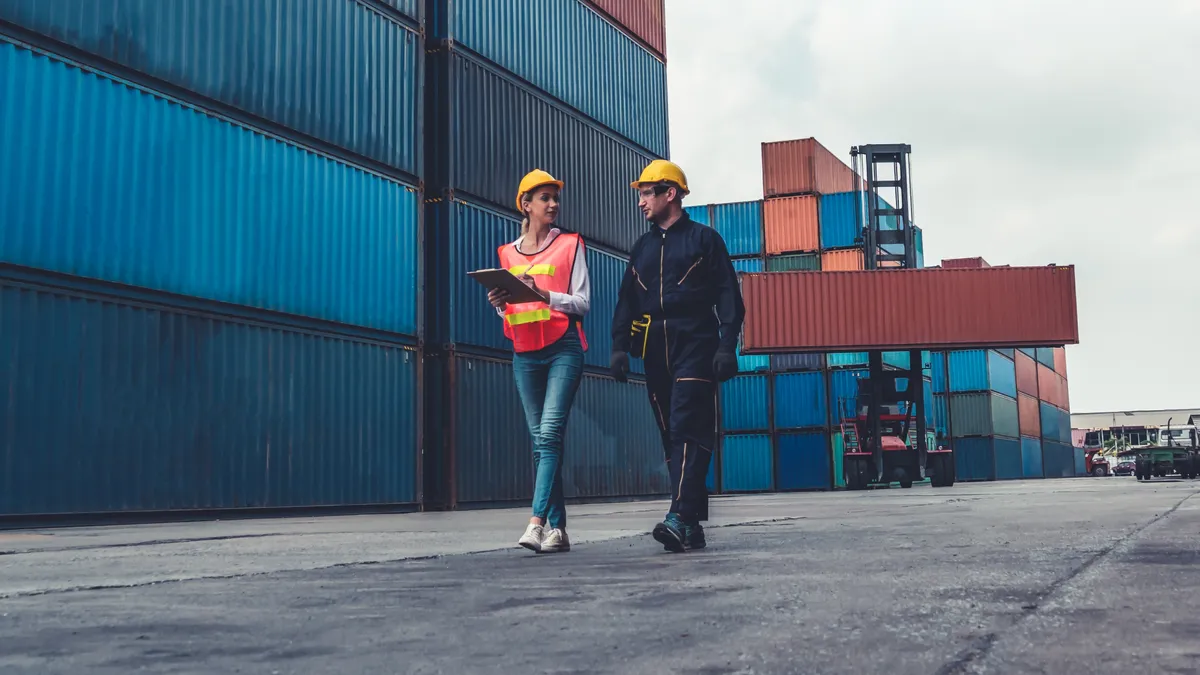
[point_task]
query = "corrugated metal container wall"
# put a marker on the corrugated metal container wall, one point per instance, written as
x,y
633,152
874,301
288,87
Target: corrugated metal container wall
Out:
x,y
645,19
751,364
1058,460
810,262
899,360
847,359
843,386
1008,458
839,448
804,166
1045,357
841,223
1052,387
748,265
941,415
965,263
1026,374
605,272
219,211
932,309
803,462
1030,416
1064,427
740,225
790,225
800,400
786,362
746,463
1005,420
974,459
700,213
499,129
1060,361
410,8
1051,419
629,94
612,440
938,372
475,234
971,414
1080,461
1031,458
744,403
969,371
117,405
1002,374
334,70
842,261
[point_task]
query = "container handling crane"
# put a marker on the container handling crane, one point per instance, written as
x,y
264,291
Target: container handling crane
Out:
x,y
893,306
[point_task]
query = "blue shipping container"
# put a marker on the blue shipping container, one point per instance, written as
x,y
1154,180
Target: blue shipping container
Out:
x,y
840,220
117,405
556,45
1045,356
746,464
848,360
335,70
120,185
1058,459
785,362
699,213
844,388
1009,458
753,363
1031,458
750,265
974,459
938,371
740,225
613,445
800,400
980,370
803,461
710,481
1052,419
744,403
920,246
497,129
941,416
1080,461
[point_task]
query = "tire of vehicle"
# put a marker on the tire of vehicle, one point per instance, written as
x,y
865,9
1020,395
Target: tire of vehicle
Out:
x,y
857,474
1098,471
906,483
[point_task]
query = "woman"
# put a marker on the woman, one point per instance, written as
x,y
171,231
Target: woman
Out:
x,y
548,345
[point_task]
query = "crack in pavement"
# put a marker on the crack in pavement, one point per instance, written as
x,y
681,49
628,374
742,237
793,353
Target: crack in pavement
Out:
x,y
982,646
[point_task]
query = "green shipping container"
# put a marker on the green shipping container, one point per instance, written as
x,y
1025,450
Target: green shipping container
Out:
x,y
984,414
794,263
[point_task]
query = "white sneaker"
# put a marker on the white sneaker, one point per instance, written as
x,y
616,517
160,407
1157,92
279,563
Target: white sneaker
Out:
x,y
556,541
532,539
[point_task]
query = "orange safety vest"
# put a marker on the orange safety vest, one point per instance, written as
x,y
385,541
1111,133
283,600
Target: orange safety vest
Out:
x,y
533,325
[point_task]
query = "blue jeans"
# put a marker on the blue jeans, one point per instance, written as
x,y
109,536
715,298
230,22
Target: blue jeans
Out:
x,y
547,381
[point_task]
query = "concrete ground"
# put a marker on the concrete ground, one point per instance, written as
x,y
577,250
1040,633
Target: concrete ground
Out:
x,y
1089,575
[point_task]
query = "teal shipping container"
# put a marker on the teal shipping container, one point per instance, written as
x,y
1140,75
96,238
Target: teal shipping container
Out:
x,y
117,402
120,184
974,459
800,400
1058,459
1052,422
1009,458
740,225
751,265
746,463
744,403
848,360
938,372
803,461
1080,461
1031,458
701,213
980,370
799,262
843,385
754,363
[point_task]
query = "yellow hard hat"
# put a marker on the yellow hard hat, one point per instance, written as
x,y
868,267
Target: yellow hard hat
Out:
x,y
662,171
534,180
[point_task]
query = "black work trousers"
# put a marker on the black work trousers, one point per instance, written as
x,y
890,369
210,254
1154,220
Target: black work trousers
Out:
x,y
682,390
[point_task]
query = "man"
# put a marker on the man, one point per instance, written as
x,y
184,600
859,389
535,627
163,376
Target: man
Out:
x,y
680,309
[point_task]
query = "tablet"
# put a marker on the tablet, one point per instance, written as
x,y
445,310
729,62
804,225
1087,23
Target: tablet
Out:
x,y
517,290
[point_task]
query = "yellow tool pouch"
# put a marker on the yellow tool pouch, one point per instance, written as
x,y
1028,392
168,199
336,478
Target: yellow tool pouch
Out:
x,y
640,330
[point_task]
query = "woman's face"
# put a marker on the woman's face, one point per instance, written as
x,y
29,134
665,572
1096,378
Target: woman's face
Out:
x,y
543,204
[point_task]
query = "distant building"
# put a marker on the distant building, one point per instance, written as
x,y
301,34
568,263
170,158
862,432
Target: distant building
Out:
x,y
1136,427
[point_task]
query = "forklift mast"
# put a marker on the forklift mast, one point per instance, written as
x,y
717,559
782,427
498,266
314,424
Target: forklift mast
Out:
x,y
889,242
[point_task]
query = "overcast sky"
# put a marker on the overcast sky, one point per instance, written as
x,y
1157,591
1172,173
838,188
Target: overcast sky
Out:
x,y
1041,133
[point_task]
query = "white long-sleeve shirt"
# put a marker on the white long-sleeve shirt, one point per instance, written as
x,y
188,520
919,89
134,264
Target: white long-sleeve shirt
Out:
x,y
578,298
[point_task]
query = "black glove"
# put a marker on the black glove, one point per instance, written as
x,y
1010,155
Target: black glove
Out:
x,y
619,364
724,366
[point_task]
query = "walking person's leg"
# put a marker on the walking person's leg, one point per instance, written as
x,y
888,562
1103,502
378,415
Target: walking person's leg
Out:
x,y
530,371
562,384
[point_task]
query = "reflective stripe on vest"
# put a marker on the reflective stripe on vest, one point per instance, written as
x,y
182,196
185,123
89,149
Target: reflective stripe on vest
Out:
x,y
534,325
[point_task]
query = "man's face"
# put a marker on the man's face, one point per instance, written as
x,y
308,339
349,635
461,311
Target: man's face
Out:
x,y
655,200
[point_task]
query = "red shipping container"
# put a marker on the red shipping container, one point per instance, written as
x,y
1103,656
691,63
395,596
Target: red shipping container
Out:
x,y
1027,375
1029,413
804,167
849,260
891,310
965,264
1064,393
1060,361
1052,387
643,19
791,225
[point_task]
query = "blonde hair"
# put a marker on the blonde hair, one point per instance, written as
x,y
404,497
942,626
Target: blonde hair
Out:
x,y
526,198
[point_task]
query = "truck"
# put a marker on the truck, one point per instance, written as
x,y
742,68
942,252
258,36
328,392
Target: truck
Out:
x,y
1176,451
1097,464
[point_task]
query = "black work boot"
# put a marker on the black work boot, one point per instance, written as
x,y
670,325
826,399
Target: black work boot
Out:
x,y
670,533
693,537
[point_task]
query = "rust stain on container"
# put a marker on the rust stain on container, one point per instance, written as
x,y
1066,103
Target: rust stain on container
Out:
x,y
791,225
849,260
1027,374
804,166
644,19
934,309
1030,415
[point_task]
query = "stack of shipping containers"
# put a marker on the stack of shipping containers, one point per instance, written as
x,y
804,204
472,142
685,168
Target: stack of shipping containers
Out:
x,y
512,86
780,416
232,262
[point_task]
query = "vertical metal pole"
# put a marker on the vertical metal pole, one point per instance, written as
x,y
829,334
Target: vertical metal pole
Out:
x,y
874,411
